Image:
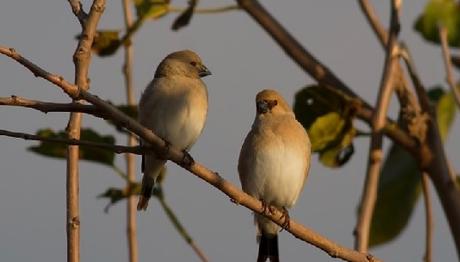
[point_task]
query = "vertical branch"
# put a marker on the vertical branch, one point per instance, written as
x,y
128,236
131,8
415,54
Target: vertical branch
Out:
x,y
81,58
447,63
131,229
436,165
428,218
378,122
411,116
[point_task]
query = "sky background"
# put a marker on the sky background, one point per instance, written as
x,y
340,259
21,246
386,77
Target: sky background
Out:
x,y
243,60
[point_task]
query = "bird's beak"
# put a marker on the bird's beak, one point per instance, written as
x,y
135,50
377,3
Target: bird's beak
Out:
x,y
204,71
264,106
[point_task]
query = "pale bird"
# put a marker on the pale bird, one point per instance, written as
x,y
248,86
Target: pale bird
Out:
x,y
174,106
273,164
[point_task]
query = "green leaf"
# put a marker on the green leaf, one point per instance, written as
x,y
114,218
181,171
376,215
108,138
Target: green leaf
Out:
x,y
327,116
455,61
106,42
58,150
151,9
445,109
398,191
184,18
400,184
115,195
324,130
444,12
339,154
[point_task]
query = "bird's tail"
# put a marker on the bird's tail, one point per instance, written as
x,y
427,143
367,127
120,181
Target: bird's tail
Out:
x,y
268,248
152,168
148,183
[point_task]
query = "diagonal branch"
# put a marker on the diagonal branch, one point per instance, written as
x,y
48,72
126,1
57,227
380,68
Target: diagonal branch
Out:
x,y
435,162
374,164
177,156
77,9
47,107
448,64
114,148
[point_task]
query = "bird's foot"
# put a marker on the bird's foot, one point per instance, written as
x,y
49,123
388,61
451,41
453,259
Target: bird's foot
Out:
x,y
187,160
266,208
164,155
287,219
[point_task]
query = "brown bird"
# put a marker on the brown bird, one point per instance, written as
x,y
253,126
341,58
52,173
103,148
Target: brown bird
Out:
x,y
273,164
174,106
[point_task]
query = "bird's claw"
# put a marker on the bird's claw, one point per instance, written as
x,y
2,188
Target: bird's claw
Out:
x,y
287,219
187,160
166,149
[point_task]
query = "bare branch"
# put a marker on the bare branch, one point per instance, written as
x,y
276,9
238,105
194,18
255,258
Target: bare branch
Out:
x,y
435,162
374,164
211,177
411,117
77,9
428,218
81,58
131,223
180,228
114,148
448,64
47,107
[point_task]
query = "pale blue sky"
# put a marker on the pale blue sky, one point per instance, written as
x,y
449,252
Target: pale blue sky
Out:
x,y
244,60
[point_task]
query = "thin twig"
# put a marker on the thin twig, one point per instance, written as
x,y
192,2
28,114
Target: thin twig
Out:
x,y
374,164
211,177
428,218
411,117
81,58
47,107
131,223
77,9
448,64
67,141
180,228
211,10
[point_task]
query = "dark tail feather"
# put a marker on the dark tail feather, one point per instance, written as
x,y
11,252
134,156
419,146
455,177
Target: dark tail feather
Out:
x,y
146,192
268,249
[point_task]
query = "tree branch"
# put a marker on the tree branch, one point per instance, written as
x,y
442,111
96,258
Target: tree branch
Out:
x,y
81,58
114,148
77,9
435,162
428,218
374,164
47,107
211,177
448,64
131,223
411,117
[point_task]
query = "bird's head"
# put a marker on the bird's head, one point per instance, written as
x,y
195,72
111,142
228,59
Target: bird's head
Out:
x,y
271,102
182,63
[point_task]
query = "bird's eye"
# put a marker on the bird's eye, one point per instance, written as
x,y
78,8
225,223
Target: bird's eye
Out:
x,y
193,63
